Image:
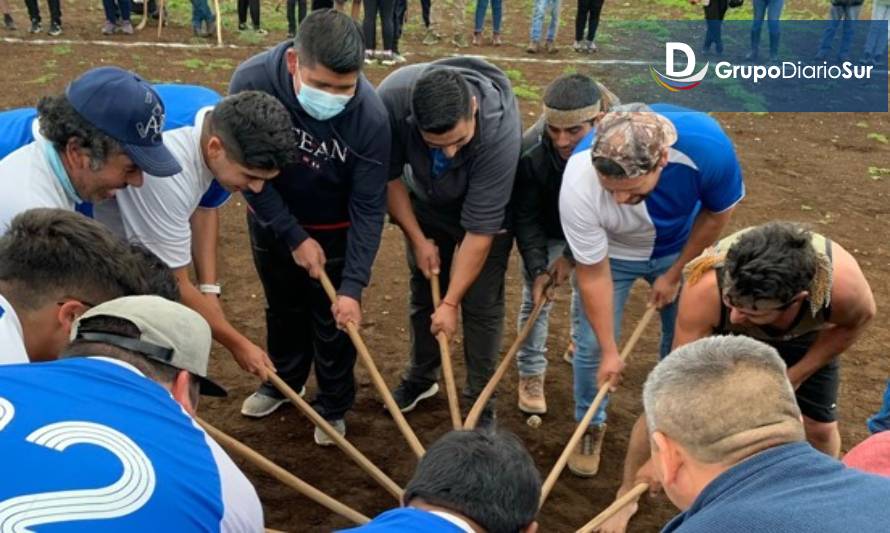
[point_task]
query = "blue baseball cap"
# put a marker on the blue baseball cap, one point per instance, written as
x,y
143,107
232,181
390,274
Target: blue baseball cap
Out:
x,y
125,107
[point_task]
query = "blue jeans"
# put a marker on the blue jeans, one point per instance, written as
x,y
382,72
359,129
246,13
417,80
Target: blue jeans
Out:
x,y
772,9
532,356
496,14
587,351
201,13
539,13
880,421
847,14
876,42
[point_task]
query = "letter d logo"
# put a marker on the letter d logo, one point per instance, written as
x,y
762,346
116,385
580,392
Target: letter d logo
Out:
x,y
679,80
670,51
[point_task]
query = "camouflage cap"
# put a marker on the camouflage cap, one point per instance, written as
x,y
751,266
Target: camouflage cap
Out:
x,y
633,136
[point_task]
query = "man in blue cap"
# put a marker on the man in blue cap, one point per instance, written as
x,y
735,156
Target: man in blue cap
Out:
x,y
96,138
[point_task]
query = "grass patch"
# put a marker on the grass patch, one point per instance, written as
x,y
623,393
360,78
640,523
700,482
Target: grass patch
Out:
x,y
61,50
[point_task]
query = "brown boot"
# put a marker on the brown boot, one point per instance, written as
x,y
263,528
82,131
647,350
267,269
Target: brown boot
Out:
x,y
551,48
496,39
531,395
477,38
585,458
532,47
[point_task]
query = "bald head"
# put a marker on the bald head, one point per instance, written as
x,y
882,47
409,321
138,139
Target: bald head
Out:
x,y
723,399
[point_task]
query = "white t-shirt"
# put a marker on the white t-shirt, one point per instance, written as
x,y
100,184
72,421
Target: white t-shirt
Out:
x,y
158,213
12,339
27,181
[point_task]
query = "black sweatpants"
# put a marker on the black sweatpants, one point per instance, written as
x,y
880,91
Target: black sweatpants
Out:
x,y
291,18
588,16
482,309
385,10
254,6
55,10
300,327
398,17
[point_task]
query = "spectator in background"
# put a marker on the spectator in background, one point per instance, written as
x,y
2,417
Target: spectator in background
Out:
x,y
369,30
880,421
539,13
356,8
55,13
876,42
292,19
113,23
588,15
772,10
496,17
254,6
842,12
715,10
430,37
398,16
8,23
203,19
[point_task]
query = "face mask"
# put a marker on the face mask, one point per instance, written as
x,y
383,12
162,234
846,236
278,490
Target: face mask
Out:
x,y
321,105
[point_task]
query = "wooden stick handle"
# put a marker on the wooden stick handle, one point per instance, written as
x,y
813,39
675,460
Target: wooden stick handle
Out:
x,y
379,383
160,16
144,20
616,506
588,416
219,41
479,405
341,441
447,368
283,475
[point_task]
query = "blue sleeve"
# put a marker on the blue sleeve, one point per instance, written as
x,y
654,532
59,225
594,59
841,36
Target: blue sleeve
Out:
x,y
15,129
215,196
721,185
182,102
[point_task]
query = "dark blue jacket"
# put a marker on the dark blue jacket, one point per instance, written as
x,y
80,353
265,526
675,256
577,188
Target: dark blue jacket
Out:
x,y
788,489
340,176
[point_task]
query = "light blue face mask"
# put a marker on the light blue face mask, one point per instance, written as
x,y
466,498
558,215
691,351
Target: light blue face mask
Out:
x,y
321,105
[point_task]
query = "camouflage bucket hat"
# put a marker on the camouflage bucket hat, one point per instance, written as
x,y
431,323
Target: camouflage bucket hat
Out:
x,y
633,136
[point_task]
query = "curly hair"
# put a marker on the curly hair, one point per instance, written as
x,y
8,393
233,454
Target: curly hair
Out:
x,y
60,122
255,129
774,261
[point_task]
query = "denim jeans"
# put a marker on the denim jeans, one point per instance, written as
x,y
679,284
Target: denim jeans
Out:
x,y
772,9
496,14
875,43
201,13
532,356
586,361
539,13
112,7
880,421
847,14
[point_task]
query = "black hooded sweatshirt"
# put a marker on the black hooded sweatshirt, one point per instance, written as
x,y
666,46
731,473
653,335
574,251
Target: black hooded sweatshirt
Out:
x,y
339,179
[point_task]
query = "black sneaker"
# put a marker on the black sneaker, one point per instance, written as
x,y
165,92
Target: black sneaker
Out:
x,y
35,27
8,23
242,26
55,29
408,394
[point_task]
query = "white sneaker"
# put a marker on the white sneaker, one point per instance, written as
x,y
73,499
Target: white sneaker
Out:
x,y
259,405
322,438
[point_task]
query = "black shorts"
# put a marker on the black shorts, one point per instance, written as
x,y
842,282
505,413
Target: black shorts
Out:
x,y
817,396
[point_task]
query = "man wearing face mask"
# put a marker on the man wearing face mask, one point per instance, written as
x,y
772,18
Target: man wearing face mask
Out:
x,y
456,140
640,200
323,213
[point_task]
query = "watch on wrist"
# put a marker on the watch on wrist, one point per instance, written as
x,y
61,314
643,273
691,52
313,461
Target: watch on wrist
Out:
x,y
210,288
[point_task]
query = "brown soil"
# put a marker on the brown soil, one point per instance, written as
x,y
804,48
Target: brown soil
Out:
x,y
805,167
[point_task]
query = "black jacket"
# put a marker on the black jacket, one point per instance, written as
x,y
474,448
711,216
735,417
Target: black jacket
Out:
x,y
535,202
340,176
475,189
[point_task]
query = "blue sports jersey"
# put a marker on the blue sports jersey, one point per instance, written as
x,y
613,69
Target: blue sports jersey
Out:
x,y
407,520
181,102
89,445
702,173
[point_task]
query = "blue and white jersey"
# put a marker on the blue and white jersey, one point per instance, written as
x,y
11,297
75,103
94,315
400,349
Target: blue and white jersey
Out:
x,y
702,173
410,520
89,444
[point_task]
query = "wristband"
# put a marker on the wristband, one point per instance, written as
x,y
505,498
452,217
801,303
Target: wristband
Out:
x,y
210,288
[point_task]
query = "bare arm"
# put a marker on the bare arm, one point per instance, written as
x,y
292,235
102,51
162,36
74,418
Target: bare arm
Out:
x,y
698,311
468,263
852,308
402,213
205,233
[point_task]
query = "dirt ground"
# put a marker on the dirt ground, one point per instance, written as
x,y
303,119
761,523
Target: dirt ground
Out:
x,y
813,168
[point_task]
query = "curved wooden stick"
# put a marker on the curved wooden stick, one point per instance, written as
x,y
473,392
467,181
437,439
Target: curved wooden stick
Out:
x,y
447,369
160,16
144,20
283,475
479,405
368,361
219,41
588,416
616,506
341,441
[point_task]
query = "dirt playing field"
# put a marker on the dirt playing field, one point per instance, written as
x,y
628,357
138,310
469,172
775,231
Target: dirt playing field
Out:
x,y
826,170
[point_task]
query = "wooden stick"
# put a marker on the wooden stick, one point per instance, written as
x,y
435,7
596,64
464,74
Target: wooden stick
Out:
x,y
160,16
341,441
379,383
585,422
144,20
219,41
616,506
283,475
479,405
447,369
